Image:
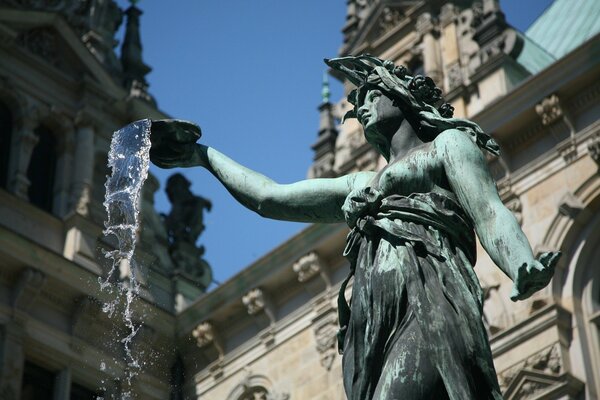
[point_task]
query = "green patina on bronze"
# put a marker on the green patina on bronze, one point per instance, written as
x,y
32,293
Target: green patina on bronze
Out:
x,y
414,327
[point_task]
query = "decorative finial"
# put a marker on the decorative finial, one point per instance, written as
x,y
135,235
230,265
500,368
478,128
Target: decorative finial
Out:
x,y
134,68
325,92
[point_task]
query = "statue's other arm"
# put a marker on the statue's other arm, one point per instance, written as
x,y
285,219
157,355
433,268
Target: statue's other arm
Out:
x,y
312,200
497,228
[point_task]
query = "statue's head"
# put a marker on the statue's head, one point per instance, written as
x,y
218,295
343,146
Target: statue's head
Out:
x,y
386,94
177,186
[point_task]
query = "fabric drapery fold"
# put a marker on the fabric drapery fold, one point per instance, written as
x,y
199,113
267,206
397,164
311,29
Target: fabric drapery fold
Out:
x,y
412,261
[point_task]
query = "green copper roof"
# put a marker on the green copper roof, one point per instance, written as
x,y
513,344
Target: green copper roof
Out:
x,y
533,57
565,25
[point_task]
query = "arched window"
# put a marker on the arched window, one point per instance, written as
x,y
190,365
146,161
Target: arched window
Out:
x,y
6,127
415,66
42,169
255,393
255,387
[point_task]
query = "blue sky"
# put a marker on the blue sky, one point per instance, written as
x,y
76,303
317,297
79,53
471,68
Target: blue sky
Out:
x,y
249,73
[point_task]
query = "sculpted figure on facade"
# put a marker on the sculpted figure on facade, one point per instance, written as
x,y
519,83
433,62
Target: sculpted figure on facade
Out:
x,y
414,326
184,225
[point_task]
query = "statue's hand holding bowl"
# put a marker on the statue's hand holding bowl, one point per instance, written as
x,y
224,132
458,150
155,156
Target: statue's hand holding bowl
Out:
x,y
174,143
534,276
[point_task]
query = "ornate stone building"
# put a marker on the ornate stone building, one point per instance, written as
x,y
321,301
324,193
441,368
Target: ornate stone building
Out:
x,y
269,332
63,91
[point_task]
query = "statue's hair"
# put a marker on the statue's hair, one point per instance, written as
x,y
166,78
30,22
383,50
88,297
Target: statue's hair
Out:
x,y
417,96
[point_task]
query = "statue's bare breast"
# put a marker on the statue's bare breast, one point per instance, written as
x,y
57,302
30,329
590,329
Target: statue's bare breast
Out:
x,y
420,171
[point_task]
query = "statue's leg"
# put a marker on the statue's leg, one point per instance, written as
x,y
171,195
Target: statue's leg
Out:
x,y
407,371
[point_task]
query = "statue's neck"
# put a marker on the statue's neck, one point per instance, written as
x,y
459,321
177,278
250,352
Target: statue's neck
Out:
x,y
403,141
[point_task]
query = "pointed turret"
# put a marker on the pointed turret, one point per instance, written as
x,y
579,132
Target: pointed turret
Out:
x,y
134,68
325,146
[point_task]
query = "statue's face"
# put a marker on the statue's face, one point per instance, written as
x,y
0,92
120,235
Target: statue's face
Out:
x,y
380,118
378,111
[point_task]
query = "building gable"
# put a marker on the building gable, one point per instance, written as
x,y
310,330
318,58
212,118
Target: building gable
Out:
x,y
48,37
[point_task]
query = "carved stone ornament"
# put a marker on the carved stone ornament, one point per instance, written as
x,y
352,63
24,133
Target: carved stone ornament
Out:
x,y
570,206
255,387
488,289
425,24
549,110
28,287
389,19
547,361
204,334
42,42
511,200
85,313
455,77
254,301
307,266
594,148
325,336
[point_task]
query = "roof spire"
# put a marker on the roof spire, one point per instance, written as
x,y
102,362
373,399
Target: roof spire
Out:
x,y
325,92
324,148
134,68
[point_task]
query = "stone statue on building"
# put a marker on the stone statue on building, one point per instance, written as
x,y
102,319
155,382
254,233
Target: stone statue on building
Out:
x,y
184,225
414,327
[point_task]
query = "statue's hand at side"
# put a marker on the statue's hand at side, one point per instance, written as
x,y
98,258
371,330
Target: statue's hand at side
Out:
x,y
174,143
534,275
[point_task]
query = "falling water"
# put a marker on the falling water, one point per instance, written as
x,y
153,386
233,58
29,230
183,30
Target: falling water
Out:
x,y
129,160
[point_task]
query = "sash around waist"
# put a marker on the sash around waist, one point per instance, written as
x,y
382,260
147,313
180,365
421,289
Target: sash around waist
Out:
x,y
367,212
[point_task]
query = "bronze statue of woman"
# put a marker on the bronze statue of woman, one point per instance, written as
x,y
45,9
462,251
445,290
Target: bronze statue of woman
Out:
x,y
414,327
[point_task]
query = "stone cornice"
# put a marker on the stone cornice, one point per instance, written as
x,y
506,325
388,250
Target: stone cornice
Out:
x,y
562,73
292,325
546,318
66,273
541,168
266,268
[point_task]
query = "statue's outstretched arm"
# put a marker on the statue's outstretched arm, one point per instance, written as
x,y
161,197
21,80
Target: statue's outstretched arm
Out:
x,y
314,200
497,228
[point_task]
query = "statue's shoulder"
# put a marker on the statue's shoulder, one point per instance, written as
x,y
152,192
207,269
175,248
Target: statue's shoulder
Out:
x,y
454,140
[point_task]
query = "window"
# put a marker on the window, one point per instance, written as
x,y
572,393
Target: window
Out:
x,y
6,127
38,382
415,66
255,393
42,169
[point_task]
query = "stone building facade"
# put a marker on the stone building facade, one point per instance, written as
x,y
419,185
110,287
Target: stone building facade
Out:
x,y
269,332
63,91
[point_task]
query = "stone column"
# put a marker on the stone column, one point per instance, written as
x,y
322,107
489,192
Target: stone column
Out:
x,y
12,360
22,149
62,385
83,169
450,47
426,26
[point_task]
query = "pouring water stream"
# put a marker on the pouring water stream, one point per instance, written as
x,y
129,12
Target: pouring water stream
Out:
x,y
129,159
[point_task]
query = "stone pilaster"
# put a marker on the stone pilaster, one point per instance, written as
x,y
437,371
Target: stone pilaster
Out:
x,y
427,27
25,292
83,168
450,47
